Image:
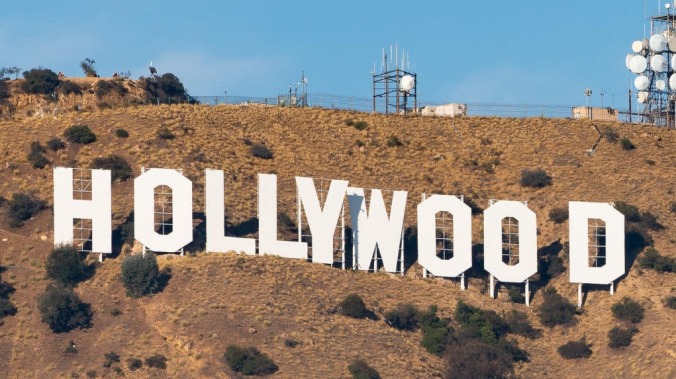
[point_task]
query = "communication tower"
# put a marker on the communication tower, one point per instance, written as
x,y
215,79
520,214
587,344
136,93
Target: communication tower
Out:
x,y
395,84
653,60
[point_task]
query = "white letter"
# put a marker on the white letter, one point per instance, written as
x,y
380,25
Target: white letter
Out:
x,y
376,227
98,209
267,222
216,241
322,222
528,259
144,210
427,236
578,224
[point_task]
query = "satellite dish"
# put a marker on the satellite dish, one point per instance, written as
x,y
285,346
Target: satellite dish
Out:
x,y
642,97
671,44
658,63
660,84
673,61
657,43
637,46
628,59
638,64
406,83
641,82
672,82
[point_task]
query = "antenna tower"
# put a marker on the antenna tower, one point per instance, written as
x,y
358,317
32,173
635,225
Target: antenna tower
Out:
x,y
394,84
653,60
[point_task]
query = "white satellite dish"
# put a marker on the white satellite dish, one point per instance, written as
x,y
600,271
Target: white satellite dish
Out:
x,y
642,97
657,43
658,63
638,64
637,46
628,59
406,83
672,82
671,44
660,84
641,82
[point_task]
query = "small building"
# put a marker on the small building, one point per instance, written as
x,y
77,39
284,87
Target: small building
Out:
x,y
446,110
601,114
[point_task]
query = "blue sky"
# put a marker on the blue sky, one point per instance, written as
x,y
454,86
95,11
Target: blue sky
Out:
x,y
529,51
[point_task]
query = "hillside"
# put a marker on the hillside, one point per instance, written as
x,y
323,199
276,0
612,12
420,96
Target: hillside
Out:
x,y
214,300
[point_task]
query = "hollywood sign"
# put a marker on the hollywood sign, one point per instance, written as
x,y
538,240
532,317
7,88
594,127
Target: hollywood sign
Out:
x,y
372,226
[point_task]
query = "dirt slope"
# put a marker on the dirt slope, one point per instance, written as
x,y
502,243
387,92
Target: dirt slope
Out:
x,y
215,300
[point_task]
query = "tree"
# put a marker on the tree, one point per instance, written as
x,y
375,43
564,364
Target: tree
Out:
x,y
171,85
40,81
87,66
63,310
14,70
65,265
140,275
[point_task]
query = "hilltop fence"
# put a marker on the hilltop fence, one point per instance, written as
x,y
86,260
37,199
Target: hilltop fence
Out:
x,y
362,104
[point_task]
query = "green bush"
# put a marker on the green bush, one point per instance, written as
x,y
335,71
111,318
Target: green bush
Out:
x,y
79,134
353,306
22,207
261,151
485,325
574,350
670,302
610,134
515,295
157,361
626,144
535,178
436,331
361,370
55,144
4,90
558,215
63,310
106,87
360,125
393,141
110,358
476,359
651,258
628,310
40,81
67,87
121,133
134,364
6,308
555,309
403,317
249,361
36,157
140,275
65,265
119,167
619,337
165,134
518,324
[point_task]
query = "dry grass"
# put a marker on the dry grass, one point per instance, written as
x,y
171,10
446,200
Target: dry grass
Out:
x,y
220,299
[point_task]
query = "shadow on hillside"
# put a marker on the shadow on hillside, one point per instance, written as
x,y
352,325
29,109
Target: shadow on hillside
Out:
x,y
635,240
550,265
